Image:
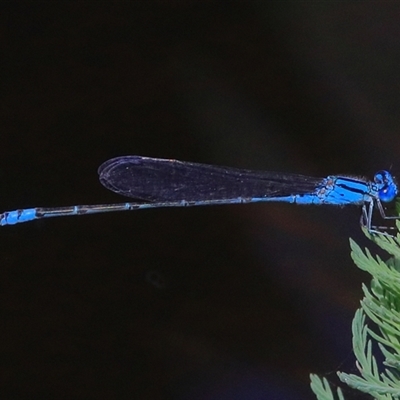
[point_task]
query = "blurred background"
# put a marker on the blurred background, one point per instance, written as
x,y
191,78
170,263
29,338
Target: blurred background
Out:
x,y
232,302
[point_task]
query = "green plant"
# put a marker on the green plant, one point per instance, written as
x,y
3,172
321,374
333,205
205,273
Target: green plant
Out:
x,y
381,305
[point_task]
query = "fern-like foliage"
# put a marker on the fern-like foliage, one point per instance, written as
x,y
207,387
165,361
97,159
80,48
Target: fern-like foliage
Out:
x,y
381,305
322,389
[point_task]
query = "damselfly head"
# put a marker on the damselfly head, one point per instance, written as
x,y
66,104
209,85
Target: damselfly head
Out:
x,y
387,188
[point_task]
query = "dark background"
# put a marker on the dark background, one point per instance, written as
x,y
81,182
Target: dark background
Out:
x,y
231,302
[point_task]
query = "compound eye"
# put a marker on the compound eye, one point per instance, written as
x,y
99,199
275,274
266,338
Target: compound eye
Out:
x,y
387,193
387,188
